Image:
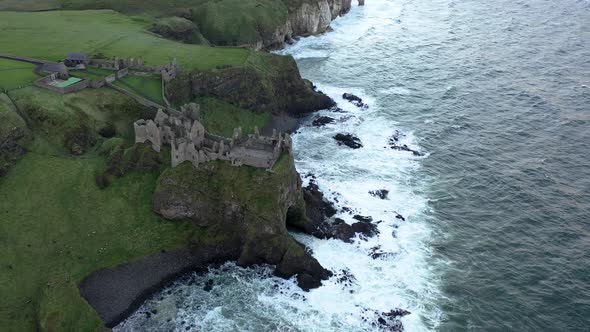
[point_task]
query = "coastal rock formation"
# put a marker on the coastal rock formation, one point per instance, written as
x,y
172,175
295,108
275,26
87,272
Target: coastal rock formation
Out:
x,y
346,232
318,211
240,213
305,18
349,140
381,193
356,100
322,121
394,143
278,90
244,210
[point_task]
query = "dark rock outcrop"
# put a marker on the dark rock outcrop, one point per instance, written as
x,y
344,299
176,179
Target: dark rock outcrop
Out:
x,y
346,232
305,18
389,321
316,221
381,193
349,140
321,121
242,212
317,210
243,209
277,90
363,218
357,101
376,252
394,144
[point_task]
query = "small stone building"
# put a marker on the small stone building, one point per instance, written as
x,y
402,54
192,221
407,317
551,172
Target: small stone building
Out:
x,y
58,68
77,58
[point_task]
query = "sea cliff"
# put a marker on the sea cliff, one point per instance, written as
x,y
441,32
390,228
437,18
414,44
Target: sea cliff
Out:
x,y
111,219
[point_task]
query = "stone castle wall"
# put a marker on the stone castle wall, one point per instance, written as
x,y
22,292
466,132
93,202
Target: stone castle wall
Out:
x,y
167,71
189,141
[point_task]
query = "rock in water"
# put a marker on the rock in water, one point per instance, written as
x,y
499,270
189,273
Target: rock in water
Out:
x,y
346,232
363,218
208,285
349,140
357,101
396,313
394,144
307,282
366,229
317,210
381,193
322,121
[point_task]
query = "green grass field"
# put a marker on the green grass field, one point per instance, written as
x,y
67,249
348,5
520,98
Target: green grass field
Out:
x,y
151,86
221,118
222,22
15,74
91,73
56,113
58,226
51,35
30,4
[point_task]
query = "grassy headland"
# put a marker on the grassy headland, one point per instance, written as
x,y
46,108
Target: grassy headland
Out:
x,y
57,226
218,22
51,35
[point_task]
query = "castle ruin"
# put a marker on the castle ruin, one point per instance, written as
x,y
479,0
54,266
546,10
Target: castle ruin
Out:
x,y
189,141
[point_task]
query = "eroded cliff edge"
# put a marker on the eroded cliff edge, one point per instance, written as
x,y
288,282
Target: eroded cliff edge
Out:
x,y
241,214
261,24
305,18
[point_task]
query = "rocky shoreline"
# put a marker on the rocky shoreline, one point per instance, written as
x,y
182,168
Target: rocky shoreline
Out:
x,y
239,227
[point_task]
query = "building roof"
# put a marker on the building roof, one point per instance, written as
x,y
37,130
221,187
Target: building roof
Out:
x,y
55,67
77,56
68,82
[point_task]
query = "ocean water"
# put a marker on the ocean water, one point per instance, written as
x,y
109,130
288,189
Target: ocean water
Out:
x,y
496,94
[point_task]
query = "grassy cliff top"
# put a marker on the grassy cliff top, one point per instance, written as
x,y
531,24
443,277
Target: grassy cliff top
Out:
x,y
222,22
51,35
57,225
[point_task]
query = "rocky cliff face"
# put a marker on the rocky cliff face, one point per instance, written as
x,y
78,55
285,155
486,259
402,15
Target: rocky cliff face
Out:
x,y
306,17
276,89
244,211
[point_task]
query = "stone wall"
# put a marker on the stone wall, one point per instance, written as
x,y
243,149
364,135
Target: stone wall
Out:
x,y
45,83
167,71
122,73
110,78
189,141
97,83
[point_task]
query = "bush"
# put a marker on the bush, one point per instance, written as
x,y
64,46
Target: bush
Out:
x,y
108,131
102,181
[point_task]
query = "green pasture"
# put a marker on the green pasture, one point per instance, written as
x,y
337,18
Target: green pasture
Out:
x,y
51,35
15,74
